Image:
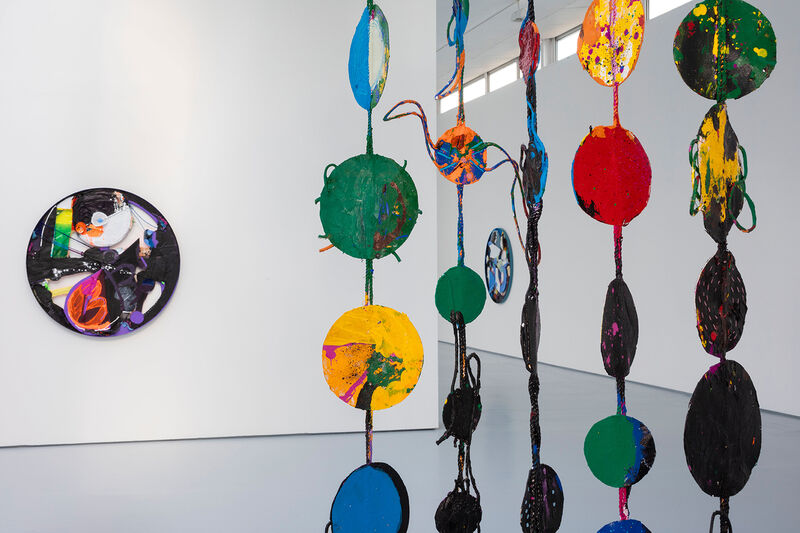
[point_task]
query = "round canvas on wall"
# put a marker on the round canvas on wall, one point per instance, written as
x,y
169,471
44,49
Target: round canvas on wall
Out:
x,y
103,262
499,265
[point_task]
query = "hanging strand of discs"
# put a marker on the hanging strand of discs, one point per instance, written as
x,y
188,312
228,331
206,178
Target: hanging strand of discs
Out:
x,y
723,49
611,177
543,501
460,155
372,356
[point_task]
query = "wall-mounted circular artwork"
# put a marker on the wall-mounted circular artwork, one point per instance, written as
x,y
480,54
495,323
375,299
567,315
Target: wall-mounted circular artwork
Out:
x,y
499,265
103,262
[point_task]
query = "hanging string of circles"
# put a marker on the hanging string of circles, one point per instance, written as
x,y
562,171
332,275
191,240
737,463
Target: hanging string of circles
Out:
x,y
372,356
611,177
723,50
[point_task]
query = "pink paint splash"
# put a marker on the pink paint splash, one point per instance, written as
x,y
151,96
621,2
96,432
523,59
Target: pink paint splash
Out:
x,y
330,350
347,396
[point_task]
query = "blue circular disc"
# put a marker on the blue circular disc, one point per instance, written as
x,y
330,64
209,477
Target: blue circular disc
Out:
x,y
373,498
625,526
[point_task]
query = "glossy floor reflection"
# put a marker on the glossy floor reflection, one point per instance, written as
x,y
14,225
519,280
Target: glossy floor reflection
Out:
x,y
286,484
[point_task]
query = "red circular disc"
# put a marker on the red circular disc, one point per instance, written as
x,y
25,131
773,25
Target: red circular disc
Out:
x,y
611,175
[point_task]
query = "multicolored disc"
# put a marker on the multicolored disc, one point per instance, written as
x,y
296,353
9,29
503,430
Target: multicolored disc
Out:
x,y
369,57
498,265
103,262
460,155
742,50
368,206
611,39
372,357
619,450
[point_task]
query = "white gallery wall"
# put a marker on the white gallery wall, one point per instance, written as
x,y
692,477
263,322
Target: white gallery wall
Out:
x,y
664,248
223,114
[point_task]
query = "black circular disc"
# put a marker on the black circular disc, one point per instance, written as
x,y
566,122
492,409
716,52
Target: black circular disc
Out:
x,y
552,500
720,289
722,436
103,262
459,512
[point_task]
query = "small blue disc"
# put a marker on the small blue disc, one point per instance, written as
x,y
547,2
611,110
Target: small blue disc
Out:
x,y
625,526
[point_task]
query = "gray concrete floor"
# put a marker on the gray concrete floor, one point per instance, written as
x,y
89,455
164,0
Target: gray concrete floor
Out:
x,y
286,484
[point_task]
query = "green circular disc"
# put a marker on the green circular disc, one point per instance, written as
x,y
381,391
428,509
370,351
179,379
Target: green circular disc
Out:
x,y
460,289
747,60
368,206
619,450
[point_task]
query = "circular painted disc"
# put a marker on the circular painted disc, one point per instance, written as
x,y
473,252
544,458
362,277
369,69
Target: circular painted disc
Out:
x,y
372,357
722,436
717,334
620,332
611,175
625,526
749,57
552,500
368,206
609,52
368,66
720,168
460,155
499,265
103,262
373,498
460,289
619,450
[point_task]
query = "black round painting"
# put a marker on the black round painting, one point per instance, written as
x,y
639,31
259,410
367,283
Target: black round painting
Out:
x,y
103,262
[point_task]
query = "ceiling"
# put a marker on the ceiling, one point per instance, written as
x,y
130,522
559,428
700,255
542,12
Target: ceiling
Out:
x,y
493,31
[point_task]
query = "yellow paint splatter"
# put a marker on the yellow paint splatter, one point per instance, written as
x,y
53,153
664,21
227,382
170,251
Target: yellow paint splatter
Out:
x,y
700,10
610,56
377,345
719,165
761,52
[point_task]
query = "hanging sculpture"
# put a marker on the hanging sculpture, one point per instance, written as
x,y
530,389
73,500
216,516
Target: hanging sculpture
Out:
x,y
611,177
103,262
461,156
498,265
543,500
372,356
723,49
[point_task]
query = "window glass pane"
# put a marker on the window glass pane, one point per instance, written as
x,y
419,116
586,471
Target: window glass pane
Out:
x,y
448,102
474,89
567,45
503,76
659,7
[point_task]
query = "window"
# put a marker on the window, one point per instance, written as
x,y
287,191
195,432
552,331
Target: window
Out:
x,y
472,90
503,76
448,102
659,7
567,44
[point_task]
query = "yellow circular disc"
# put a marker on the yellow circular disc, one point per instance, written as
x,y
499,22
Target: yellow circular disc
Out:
x,y
372,357
610,39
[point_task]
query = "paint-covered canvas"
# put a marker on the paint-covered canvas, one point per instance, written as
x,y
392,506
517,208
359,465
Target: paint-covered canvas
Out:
x,y
103,262
498,265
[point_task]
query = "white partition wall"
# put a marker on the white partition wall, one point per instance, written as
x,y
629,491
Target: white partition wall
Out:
x,y
664,249
223,114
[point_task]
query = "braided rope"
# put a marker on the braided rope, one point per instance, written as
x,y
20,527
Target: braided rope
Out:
x,y
460,242
618,250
